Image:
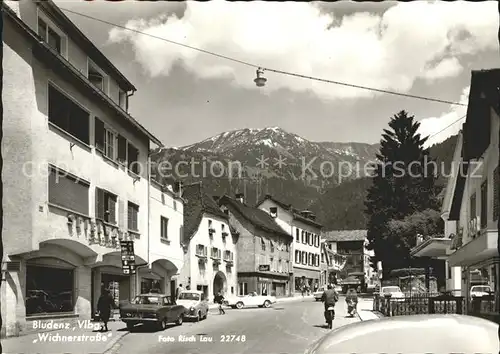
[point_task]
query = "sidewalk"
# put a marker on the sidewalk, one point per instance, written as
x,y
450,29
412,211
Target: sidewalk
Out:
x,y
365,310
75,340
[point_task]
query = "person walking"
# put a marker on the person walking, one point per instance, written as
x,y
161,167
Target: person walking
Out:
x,y
219,299
105,305
180,289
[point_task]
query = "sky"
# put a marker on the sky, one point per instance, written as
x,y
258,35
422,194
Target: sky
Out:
x,y
184,96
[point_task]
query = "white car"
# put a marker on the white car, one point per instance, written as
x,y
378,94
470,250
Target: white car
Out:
x,y
394,291
480,290
318,294
195,303
252,299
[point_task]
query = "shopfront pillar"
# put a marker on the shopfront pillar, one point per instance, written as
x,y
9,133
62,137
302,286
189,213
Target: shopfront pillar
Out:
x,y
83,292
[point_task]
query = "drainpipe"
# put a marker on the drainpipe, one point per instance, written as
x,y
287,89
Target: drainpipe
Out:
x,y
143,265
129,94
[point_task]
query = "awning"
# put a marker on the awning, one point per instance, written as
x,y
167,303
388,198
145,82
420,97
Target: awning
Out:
x,y
433,248
479,249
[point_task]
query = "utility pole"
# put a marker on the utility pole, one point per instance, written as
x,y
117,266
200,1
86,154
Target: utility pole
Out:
x,y
1,160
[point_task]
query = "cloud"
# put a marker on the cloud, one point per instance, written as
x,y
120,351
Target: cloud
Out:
x,y
440,128
388,51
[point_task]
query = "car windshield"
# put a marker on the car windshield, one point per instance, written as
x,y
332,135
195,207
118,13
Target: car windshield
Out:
x,y
481,288
391,289
189,296
147,300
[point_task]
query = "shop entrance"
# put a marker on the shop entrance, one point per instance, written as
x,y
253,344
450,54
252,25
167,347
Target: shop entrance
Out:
x,y
118,286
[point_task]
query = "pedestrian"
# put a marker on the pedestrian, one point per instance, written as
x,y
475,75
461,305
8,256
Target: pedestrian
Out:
x,y
104,305
264,292
219,299
179,291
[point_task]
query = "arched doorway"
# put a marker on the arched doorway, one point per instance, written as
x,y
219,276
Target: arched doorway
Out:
x,y
219,283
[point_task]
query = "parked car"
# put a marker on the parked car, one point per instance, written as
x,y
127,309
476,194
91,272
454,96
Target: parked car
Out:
x,y
394,291
480,290
252,299
318,294
438,334
195,303
152,309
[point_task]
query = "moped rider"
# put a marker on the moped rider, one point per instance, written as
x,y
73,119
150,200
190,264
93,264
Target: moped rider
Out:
x,y
329,298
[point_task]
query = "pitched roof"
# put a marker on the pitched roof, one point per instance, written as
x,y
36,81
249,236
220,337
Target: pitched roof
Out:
x,y
257,217
345,235
294,211
197,202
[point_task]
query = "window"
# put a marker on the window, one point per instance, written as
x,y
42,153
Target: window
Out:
x,y
201,250
473,211
109,144
122,149
97,77
49,36
242,289
311,239
311,259
280,266
105,206
317,241
133,159
303,236
68,116
297,257
133,216
484,204
271,264
123,100
263,243
272,245
317,260
297,235
304,257
496,184
273,211
322,258
68,192
164,227
287,247
215,253
42,292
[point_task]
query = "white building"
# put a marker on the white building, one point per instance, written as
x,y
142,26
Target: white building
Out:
x,y
209,245
75,175
306,246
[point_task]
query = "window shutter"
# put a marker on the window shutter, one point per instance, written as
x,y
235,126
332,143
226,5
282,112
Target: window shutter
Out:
x,y
496,183
99,134
122,149
99,203
112,209
133,157
121,213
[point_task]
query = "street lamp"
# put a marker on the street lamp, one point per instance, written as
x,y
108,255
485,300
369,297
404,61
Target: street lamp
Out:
x,y
260,81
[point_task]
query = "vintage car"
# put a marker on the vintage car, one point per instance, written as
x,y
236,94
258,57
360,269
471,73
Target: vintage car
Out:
x,y
439,334
152,309
252,299
195,303
394,291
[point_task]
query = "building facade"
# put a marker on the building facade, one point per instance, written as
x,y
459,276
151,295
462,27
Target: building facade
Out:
x,y
332,263
264,250
210,251
475,205
75,173
306,247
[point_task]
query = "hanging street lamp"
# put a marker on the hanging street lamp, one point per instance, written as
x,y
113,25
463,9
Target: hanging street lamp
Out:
x,y
260,81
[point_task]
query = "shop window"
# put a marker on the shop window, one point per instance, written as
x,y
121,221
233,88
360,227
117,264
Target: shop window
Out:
x,y
150,286
68,192
44,295
133,216
242,289
68,116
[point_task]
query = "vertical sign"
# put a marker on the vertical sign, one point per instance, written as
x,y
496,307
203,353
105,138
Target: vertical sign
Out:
x,y
128,257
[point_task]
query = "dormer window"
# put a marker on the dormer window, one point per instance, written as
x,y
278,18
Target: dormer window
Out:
x,y
49,36
211,230
273,211
97,77
123,100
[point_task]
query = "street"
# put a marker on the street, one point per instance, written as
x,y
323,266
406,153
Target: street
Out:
x,y
284,328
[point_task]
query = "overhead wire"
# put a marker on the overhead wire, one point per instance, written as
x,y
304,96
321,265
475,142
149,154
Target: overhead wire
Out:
x,y
265,68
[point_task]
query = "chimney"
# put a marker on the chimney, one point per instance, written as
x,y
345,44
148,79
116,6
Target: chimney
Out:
x,y
178,188
312,216
240,197
305,213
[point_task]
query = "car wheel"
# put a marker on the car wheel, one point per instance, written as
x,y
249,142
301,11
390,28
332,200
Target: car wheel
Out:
x,y
130,326
179,320
267,304
162,325
239,305
198,318
206,315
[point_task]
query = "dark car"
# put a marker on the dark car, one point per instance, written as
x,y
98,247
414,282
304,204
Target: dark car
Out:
x,y
437,334
152,309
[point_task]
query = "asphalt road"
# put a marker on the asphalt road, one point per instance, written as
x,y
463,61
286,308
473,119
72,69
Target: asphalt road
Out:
x,y
284,328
